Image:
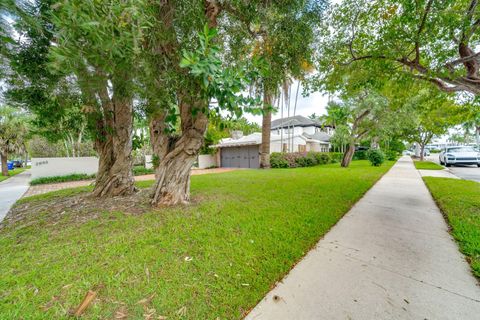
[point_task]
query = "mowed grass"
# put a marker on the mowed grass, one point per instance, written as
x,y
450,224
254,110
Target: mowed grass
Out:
x,y
459,200
11,173
427,165
214,259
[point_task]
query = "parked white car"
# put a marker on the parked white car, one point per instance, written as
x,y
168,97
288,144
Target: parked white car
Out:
x,y
459,155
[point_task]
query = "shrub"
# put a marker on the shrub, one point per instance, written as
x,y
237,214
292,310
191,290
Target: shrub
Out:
x,y
57,179
305,160
360,155
391,155
376,157
335,157
323,158
277,160
141,170
299,159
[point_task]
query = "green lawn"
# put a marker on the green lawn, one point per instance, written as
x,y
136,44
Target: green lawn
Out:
x,y
459,200
427,165
12,173
215,258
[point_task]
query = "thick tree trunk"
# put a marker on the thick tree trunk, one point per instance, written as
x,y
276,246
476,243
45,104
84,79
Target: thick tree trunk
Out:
x,y
348,155
4,156
266,128
172,184
115,177
161,141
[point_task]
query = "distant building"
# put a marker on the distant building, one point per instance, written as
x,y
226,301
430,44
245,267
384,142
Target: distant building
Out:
x,y
293,134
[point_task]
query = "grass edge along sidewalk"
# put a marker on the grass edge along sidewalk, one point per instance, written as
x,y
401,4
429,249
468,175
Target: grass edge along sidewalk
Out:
x,y
215,258
459,201
427,165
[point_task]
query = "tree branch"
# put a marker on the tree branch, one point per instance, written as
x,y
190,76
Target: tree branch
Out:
x,y
420,30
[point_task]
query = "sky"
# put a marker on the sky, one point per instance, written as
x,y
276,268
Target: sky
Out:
x,y
314,103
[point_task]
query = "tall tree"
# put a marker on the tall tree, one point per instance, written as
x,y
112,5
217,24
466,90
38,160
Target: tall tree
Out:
x,y
430,40
13,132
188,81
97,43
433,114
282,34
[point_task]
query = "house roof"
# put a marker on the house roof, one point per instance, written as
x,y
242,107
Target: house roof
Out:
x,y
296,121
250,140
320,136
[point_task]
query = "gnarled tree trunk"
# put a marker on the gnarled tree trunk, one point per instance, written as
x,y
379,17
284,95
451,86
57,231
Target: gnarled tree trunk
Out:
x,y
115,177
172,184
266,128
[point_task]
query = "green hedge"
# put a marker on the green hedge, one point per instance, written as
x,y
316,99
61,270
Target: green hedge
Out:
x,y
57,179
141,170
303,159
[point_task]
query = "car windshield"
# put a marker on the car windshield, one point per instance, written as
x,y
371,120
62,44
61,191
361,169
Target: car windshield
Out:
x,y
461,149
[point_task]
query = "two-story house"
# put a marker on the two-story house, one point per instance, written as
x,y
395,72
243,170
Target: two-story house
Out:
x,y
293,134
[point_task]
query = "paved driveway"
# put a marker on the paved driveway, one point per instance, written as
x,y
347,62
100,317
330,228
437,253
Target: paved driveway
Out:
x,y
11,190
461,171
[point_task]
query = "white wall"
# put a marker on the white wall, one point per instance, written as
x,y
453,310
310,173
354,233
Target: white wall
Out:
x,y
148,161
207,161
309,130
50,167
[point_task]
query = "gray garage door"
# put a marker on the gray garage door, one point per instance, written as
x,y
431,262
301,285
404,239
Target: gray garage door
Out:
x,y
240,157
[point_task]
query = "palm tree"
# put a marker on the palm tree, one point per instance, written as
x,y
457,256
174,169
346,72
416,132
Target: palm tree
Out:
x,y
12,134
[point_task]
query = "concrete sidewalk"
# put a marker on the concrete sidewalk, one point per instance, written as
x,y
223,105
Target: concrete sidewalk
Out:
x,y
390,257
11,190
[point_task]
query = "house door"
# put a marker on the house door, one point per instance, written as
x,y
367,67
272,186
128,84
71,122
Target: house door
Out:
x,y
240,157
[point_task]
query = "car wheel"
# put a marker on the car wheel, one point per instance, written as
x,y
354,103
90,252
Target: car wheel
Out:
x,y
440,161
448,165
478,165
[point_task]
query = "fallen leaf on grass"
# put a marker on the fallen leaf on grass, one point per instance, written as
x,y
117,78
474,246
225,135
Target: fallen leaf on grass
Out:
x,y
121,313
149,313
182,311
146,300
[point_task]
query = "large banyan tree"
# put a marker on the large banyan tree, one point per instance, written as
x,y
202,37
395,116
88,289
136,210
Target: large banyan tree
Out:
x,y
431,40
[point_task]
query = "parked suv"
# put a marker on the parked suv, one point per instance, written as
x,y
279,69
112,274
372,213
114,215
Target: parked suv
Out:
x,y
459,155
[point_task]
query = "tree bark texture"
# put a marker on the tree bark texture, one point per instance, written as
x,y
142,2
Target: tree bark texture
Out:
x,y
266,130
172,185
4,156
114,147
348,155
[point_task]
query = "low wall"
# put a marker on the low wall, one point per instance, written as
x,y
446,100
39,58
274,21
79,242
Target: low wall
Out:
x,y
207,161
51,167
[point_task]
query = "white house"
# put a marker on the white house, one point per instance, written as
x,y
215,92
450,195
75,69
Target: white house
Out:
x,y
293,134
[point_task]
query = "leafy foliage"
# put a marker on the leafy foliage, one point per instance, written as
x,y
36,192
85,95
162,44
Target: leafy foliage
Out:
x,y
376,157
301,159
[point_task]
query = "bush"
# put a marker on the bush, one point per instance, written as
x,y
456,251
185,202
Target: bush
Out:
x,y
277,160
336,157
323,158
299,159
141,170
391,155
360,155
57,179
376,157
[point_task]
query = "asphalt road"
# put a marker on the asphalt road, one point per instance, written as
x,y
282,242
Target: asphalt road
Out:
x,y
461,171
11,190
